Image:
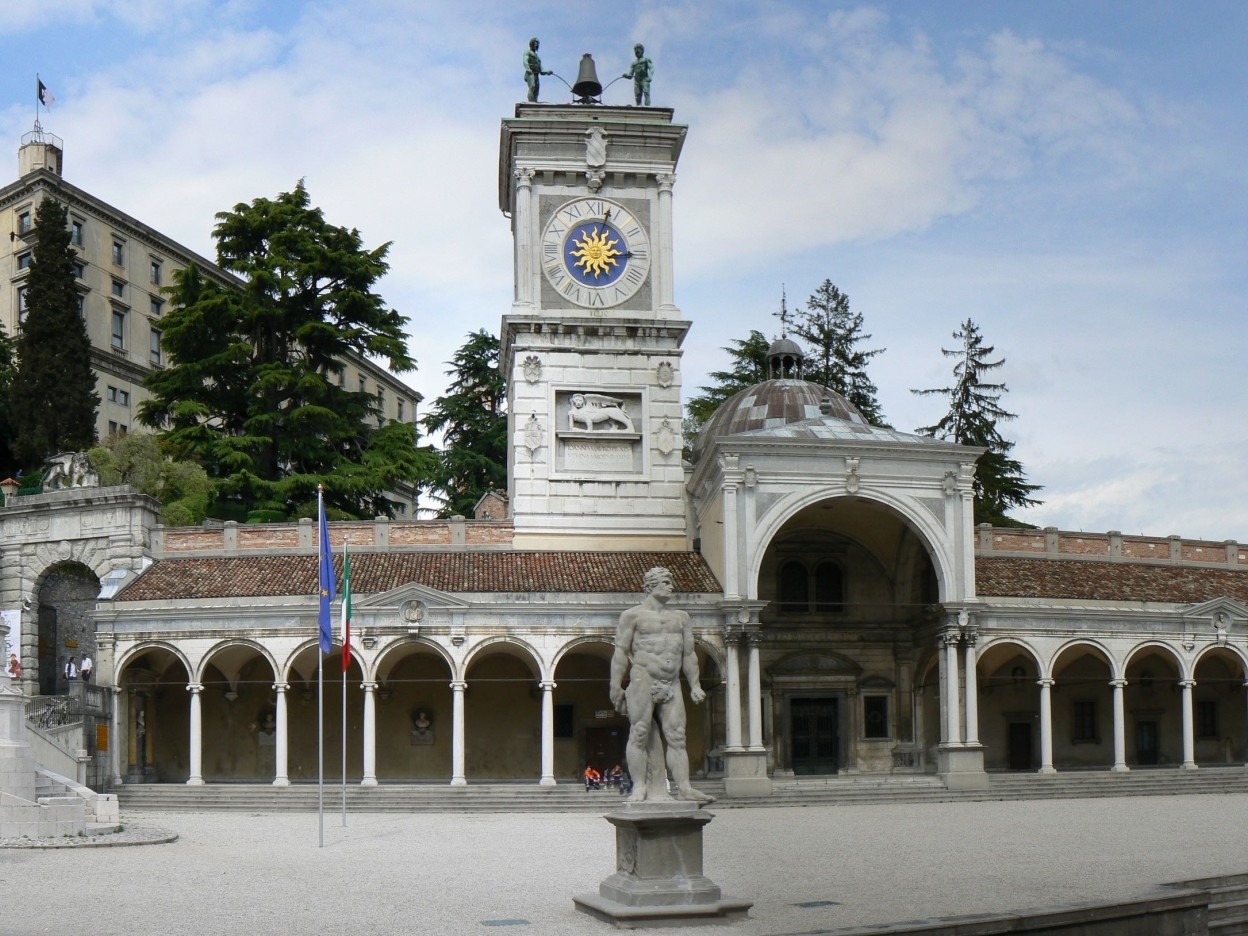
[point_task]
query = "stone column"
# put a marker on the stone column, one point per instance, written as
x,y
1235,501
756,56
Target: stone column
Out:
x,y
526,276
457,733
755,690
370,734
732,731
281,737
952,701
1120,727
730,538
1189,733
548,733
1046,726
972,687
197,736
662,247
118,738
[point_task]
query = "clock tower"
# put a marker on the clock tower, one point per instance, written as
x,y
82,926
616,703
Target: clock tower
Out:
x,y
591,346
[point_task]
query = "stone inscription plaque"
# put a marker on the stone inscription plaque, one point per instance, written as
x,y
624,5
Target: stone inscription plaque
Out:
x,y
597,455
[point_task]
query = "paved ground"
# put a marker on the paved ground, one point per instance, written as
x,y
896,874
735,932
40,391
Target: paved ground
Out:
x,y
234,873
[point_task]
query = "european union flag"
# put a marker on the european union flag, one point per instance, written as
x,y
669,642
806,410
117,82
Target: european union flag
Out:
x,y
327,579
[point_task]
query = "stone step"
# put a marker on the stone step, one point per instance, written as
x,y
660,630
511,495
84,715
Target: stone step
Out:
x,y
571,797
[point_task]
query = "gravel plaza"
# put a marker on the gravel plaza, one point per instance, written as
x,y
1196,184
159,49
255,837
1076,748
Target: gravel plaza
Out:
x,y
808,870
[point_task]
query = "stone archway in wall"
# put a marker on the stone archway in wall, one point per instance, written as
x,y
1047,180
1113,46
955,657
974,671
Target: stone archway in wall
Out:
x,y
238,712
1082,705
310,689
415,712
1220,713
1154,725
153,717
851,579
503,713
1009,706
588,730
61,606
77,533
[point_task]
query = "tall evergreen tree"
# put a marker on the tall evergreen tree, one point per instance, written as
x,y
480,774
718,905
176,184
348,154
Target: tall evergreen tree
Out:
x,y
974,412
833,333
747,366
252,390
8,368
472,421
53,397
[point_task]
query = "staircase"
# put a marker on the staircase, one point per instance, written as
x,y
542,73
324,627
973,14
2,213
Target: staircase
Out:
x,y
1228,903
524,796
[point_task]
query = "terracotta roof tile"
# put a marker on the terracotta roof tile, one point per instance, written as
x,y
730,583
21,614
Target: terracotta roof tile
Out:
x,y
551,572
1106,581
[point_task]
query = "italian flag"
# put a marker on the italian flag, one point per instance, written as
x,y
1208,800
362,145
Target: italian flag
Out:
x,y
346,608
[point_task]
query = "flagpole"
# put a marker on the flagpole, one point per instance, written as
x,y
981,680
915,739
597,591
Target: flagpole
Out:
x,y
345,651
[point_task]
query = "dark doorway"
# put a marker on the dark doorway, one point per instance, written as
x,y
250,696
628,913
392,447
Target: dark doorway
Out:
x,y
1146,752
1019,740
604,746
50,668
814,726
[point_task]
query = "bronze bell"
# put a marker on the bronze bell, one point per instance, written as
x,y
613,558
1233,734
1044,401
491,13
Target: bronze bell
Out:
x,y
587,88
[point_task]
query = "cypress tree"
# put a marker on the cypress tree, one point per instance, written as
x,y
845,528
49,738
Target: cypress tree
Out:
x,y
974,411
53,399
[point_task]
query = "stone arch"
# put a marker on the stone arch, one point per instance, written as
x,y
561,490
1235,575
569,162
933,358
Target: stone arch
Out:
x,y
497,644
919,521
1009,703
1116,667
1152,704
238,711
153,713
503,710
1219,721
1081,701
61,614
414,710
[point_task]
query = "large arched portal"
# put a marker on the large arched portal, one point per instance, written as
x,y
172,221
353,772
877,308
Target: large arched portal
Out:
x,y
414,713
154,717
63,602
850,589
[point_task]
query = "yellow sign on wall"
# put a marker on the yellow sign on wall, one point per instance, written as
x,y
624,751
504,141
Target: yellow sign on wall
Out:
x,y
101,737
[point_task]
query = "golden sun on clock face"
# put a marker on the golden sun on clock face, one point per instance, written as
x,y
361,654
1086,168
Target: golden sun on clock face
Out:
x,y
595,253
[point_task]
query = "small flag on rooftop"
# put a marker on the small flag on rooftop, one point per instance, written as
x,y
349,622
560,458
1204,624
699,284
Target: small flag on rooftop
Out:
x,y
46,97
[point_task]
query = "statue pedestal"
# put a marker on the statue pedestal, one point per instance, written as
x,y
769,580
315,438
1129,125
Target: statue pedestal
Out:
x,y
961,766
658,879
745,773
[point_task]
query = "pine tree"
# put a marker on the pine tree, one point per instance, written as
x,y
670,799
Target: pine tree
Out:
x,y
974,412
748,366
53,398
472,420
252,392
834,333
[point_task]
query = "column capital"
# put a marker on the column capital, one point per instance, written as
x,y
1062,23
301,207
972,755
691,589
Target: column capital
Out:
x,y
547,685
195,688
1046,683
754,638
949,637
458,685
666,181
369,686
280,687
1186,683
1118,683
523,176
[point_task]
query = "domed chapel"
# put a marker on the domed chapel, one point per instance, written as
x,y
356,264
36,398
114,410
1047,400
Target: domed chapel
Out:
x,y
849,617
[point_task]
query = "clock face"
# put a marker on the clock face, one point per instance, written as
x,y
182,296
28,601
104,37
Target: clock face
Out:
x,y
595,253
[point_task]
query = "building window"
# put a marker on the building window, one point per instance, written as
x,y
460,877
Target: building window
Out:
x,y
875,716
119,330
119,253
154,347
154,272
829,587
793,587
24,225
119,288
117,429
23,260
363,384
75,232
398,404
565,721
22,304
157,307
1206,718
118,396
82,306
342,377
381,407
1085,722
80,268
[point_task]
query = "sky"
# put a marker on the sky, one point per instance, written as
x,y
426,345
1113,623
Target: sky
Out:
x,y
1068,175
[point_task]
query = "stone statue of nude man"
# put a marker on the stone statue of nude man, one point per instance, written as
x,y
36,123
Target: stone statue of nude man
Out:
x,y
654,644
